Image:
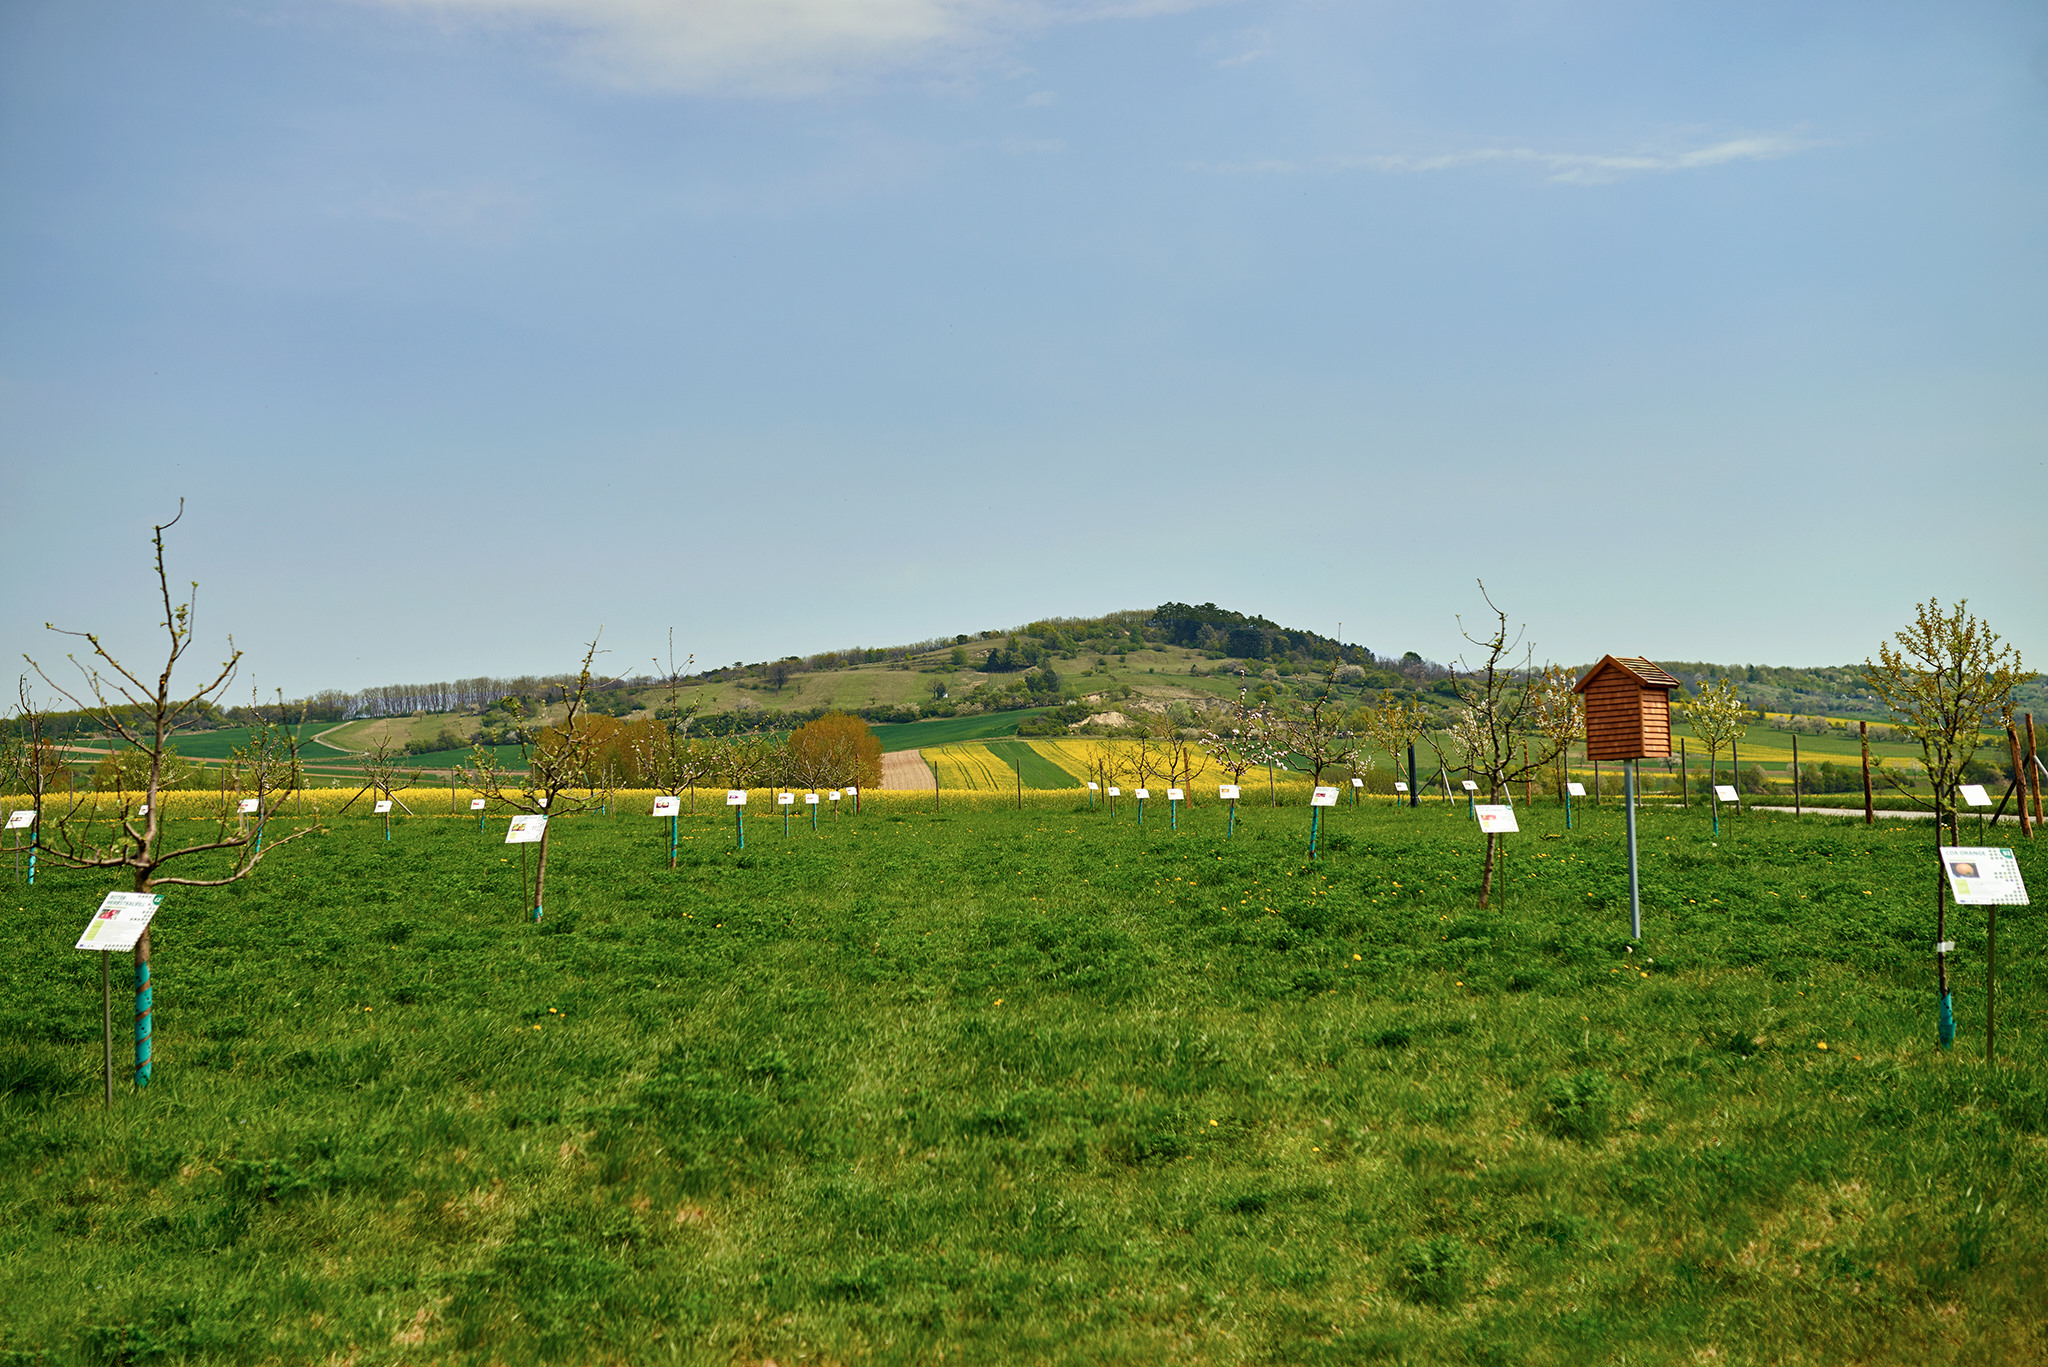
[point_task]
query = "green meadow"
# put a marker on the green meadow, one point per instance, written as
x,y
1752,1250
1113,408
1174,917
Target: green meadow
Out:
x,y
1004,1086
913,735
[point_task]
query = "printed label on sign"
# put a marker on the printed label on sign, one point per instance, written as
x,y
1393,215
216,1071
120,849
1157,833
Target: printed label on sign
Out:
x,y
1227,791
1575,789
810,799
785,799
668,806
1175,795
1144,793
834,794
1400,787
1496,820
21,820
1468,785
1726,792
735,797
1116,792
1973,795
381,807
476,804
1358,783
1983,877
120,921
1323,797
526,830
248,805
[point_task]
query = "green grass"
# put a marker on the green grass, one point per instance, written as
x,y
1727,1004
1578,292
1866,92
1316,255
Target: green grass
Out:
x,y
1026,1086
944,730
1039,772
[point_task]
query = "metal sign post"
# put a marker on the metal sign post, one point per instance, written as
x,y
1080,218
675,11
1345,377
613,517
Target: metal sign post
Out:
x,y
1635,890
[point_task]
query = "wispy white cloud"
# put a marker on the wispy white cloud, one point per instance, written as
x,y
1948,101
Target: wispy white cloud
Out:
x,y
785,48
1568,168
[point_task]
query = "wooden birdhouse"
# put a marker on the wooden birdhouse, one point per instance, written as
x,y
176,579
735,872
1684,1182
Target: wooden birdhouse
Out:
x,y
1628,709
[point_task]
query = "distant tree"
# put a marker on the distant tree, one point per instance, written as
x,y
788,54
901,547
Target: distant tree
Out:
x,y
1946,678
835,751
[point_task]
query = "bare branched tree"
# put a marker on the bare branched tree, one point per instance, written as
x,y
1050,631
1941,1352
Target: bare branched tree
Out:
x,y
145,713
1316,728
1494,718
1239,740
560,758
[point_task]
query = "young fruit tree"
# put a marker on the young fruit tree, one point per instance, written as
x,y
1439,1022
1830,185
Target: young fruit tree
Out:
x,y
1716,716
1946,680
1316,729
1558,712
559,756
1238,741
1496,699
1395,725
144,713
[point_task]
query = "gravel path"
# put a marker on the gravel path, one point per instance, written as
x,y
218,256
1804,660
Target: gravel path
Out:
x,y
906,771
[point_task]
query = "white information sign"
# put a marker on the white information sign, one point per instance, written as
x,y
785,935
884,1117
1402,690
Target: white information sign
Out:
x,y
834,794
851,790
1496,820
120,921
785,799
1945,947
526,830
1400,787
21,820
810,799
248,805
1144,793
476,804
381,808
1468,785
1358,783
1973,795
1575,789
1981,877
668,806
1323,797
1227,791
1116,792
1094,788
543,802
143,810
735,797
1175,795
1726,792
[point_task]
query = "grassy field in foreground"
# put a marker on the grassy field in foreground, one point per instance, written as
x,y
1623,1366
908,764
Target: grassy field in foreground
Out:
x,y
1029,1086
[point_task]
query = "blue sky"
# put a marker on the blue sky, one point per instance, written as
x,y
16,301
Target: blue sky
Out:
x,y
468,326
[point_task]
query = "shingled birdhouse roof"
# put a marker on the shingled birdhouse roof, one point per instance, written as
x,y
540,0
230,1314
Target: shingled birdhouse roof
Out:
x,y
1642,671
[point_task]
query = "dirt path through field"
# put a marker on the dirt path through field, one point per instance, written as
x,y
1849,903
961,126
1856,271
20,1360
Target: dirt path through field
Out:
x,y
906,771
